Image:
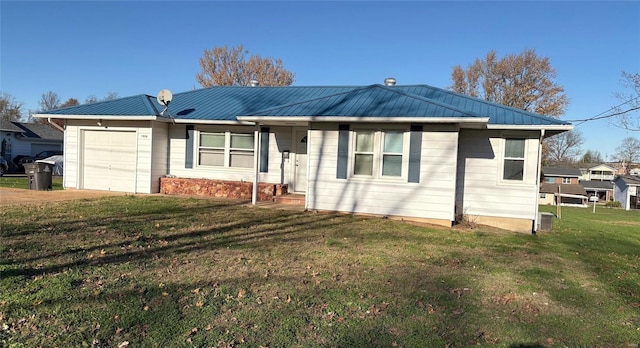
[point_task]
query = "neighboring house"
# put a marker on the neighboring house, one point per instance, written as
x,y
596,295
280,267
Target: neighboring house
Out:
x,y
563,194
28,139
556,175
601,189
597,172
626,191
416,152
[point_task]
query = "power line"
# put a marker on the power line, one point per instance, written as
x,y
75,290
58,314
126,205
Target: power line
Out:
x,y
605,114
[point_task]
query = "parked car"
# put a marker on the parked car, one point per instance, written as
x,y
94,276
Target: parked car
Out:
x,y
39,156
4,166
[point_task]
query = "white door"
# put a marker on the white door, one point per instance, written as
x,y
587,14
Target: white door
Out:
x,y
300,169
109,161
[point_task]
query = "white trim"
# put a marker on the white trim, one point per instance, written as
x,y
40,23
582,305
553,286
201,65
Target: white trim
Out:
x,y
256,163
536,220
106,117
368,119
213,122
531,127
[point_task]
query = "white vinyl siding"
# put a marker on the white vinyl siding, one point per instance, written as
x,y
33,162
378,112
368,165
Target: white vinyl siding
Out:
x,y
480,188
432,198
159,156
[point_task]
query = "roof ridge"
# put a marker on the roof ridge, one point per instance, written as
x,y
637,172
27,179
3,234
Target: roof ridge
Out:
x,y
306,101
363,88
429,100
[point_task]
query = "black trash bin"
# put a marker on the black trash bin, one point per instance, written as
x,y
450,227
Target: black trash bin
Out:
x,y
39,175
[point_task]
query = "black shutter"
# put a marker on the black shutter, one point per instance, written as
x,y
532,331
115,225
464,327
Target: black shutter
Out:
x,y
415,153
264,150
188,152
343,151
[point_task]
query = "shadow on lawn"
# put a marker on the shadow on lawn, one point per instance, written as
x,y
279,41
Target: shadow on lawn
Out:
x,y
273,228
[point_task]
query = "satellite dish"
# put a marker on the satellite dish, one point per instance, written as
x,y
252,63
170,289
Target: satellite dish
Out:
x,y
164,97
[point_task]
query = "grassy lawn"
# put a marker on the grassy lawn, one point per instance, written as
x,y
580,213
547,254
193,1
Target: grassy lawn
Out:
x,y
22,182
154,271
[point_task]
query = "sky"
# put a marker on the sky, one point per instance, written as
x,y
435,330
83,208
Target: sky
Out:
x,y
91,48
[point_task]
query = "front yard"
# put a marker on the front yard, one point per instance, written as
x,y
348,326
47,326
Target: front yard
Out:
x,y
167,271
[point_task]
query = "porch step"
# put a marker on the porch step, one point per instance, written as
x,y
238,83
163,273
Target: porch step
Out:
x,y
290,198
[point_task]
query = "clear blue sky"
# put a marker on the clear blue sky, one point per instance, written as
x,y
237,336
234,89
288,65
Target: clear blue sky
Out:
x,y
83,48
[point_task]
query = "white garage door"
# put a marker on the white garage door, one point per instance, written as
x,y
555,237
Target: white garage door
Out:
x,y
109,161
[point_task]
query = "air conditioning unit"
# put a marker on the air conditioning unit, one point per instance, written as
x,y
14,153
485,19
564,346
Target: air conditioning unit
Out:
x,y
545,222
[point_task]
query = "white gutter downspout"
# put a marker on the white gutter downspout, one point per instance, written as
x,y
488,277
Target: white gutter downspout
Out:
x,y
256,164
55,125
538,171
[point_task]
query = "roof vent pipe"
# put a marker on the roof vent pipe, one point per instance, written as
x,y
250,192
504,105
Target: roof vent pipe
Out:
x,y
389,81
254,83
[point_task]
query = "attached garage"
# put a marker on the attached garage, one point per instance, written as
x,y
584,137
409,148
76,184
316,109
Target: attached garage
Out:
x,y
108,160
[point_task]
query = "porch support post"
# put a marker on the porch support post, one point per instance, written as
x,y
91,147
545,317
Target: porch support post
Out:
x,y
256,163
538,171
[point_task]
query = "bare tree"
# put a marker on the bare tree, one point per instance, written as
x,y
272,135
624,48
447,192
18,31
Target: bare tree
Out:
x,y
627,112
91,99
10,109
592,157
49,101
564,147
224,66
70,102
523,81
111,96
628,152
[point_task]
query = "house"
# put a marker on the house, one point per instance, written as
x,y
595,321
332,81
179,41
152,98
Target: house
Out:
x,y
563,194
28,139
416,152
601,189
556,175
626,191
597,172
561,185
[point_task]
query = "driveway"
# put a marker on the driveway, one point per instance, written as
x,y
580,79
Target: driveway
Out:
x,y
12,196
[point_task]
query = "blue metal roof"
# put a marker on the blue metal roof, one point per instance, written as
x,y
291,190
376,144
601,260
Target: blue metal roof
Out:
x,y
223,103
138,105
370,101
499,114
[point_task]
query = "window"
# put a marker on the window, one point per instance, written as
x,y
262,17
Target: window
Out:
x,y
566,180
363,158
550,180
513,159
226,149
378,153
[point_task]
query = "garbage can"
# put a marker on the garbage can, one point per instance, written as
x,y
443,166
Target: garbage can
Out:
x,y
39,175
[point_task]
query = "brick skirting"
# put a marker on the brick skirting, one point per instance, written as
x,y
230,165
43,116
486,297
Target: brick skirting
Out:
x,y
219,188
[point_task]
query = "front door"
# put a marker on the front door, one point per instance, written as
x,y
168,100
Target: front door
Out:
x,y
300,169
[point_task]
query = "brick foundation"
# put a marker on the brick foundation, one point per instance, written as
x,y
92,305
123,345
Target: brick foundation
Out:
x,y
220,188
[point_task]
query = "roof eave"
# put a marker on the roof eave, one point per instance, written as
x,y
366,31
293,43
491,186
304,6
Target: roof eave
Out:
x,y
365,119
213,122
105,117
550,127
